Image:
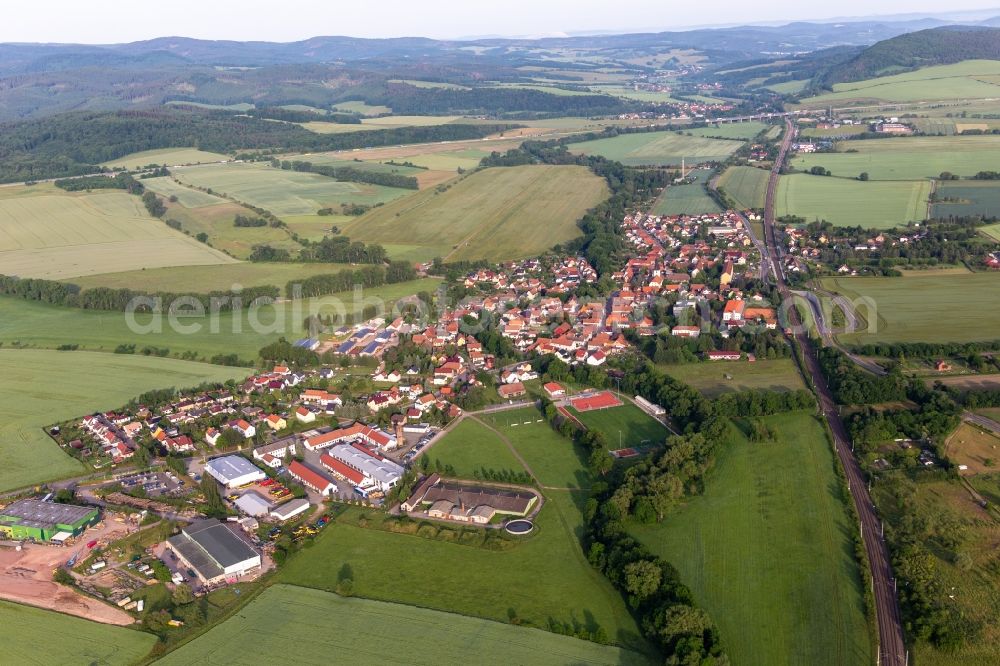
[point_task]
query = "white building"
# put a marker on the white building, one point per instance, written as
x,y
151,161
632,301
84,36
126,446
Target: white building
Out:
x,y
234,471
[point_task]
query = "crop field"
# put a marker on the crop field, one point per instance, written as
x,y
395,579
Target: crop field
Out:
x,y
167,157
33,635
284,192
42,387
872,204
924,308
186,196
625,426
203,279
41,325
553,459
970,79
689,199
743,131
496,214
339,161
658,148
770,534
843,130
362,108
296,622
530,581
746,185
471,446
992,230
217,222
974,197
48,233
909,158
715,378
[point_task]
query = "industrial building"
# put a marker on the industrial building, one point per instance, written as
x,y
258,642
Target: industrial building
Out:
x,y
215,551
362,466
234,471
253,504
289,510
45,521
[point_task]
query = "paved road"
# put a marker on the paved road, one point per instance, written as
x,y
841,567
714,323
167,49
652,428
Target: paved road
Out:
x,y
826,332
891,646
982,422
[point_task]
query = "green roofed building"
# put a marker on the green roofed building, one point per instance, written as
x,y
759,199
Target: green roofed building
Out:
x,y
45,521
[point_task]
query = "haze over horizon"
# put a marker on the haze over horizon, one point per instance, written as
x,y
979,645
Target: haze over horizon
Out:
x,y
62,21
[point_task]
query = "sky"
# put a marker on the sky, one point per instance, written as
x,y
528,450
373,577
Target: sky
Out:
x,y
112,21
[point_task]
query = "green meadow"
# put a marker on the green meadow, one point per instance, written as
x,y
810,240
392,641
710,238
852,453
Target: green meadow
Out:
x,y
908,158
844,202
658,148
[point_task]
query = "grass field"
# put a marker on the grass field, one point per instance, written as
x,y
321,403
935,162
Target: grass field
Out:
x,y
186,196
624,426
203,279
970,79
691,199
553,459
471,446
284,192
843,130
744,131
845,203
42,387
36,636
48,233
974,198
496,214
217,222
992,230
909,158
362,108
975,447
710,378
296,623
544,578
765,551
789,87
41,325
167,157
658,148
746,185
924,308
429,84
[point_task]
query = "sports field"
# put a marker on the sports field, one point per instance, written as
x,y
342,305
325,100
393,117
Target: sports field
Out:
x,y
746,185
167,157
658,148
766,551
40,325
690,199
306,626
970,79
42,387
970,197
552,458
924,308
284,192
470,446
845,203
909,158
623,427
48,233
496,214
716,378
203,279
546,577
36,636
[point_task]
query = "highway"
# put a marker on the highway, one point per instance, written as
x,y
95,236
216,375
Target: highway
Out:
x,y
891,646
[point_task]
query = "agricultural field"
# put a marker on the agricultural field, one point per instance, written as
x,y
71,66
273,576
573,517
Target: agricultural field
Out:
x,y
992,230
33,635
529,581
789,87
471,446
186,196
746,185
203,279
970,79
296,622
836,132
658,148
770,533
924,308
969,197
845,203
362,108
429,84
33,324
216,221
909,158
42,387
743,131
975,447
284,192
688,199
625,426
48,233
550,457
166,157
715,378
496,214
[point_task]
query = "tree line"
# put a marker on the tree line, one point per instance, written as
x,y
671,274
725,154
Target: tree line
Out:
x,y
331,249
350,174
366,276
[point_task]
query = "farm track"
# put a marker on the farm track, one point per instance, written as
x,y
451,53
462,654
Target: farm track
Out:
x,y
891,644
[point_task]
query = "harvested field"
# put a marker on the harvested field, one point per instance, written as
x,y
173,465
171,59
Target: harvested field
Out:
x,y
974,447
